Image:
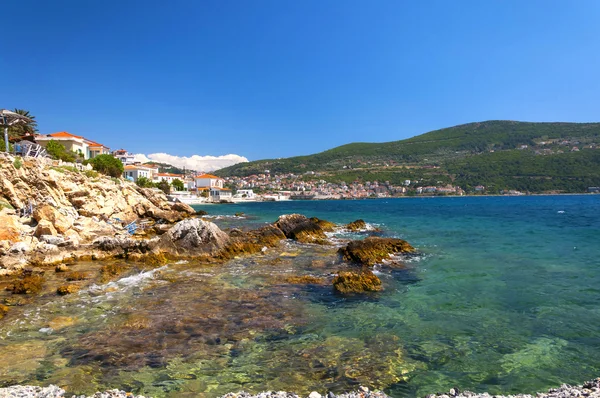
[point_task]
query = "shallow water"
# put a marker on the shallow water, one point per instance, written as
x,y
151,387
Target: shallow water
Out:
x,y
504,298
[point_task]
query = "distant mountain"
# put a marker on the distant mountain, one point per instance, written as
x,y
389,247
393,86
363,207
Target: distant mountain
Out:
x,y
529,156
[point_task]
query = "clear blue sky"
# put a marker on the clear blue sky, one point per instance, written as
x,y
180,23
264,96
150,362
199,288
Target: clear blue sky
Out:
x,y
281,78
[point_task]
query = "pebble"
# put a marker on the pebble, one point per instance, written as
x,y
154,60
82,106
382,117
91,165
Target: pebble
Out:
x,y
589,389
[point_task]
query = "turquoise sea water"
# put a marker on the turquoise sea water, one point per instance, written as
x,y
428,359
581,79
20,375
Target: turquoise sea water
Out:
x,y
505,299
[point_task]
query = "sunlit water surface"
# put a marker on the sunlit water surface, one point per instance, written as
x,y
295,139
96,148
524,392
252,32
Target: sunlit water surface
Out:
x,y
504,298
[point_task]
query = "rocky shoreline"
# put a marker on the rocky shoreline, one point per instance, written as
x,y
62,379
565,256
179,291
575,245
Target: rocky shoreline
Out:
x,y
589,389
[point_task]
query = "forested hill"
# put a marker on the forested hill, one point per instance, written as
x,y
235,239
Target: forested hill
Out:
x,y
505,154
434,147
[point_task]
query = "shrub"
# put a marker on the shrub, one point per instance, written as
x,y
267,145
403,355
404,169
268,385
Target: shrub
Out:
x,y
91,173
18,163
178,184
164,186
144,182
107,164
58,151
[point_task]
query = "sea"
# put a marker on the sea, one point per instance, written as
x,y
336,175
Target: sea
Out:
x,y
504,297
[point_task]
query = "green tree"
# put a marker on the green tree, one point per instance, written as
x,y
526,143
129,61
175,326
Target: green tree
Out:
x,y
20,130
178,184
58,151
107,164
164,186
144,182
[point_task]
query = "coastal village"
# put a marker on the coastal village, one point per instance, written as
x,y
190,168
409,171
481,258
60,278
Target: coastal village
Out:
x,y
197,187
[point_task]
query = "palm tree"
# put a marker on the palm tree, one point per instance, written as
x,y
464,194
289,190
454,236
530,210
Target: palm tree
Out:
x,y
20,130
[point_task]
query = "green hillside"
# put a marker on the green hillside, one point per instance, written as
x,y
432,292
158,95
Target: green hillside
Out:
x,y
504,154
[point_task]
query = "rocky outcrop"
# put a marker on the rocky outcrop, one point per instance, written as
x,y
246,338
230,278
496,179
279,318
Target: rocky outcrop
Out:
x,y
371,251
358,225
301,229
71,206
193,237
356,282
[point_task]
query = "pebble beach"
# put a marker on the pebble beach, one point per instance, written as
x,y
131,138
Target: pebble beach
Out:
x,y
589,389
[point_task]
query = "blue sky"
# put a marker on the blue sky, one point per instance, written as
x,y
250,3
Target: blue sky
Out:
x,y
281,78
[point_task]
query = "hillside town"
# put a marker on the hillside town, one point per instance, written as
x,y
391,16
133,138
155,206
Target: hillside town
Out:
x,y
197,187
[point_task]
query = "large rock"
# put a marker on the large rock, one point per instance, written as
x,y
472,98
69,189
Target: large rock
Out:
x,y
50,213
10,227
301,228
371,251
193,237
356,282
45,227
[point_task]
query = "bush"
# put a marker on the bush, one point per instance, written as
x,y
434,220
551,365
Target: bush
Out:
x,y
91,173
18,163
107,164
178,184
58,151
144,182
164,186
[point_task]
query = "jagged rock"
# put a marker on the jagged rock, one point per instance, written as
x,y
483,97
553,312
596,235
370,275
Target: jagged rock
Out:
x,y
358,225
301,228
356,282
124,244
20,248
325,225
11,228
193,237
52,240
47,212
371,251
183,208
45,228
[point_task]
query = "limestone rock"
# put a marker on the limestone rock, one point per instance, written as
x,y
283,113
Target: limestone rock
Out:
x,y
45,228
10,227
47,212
193,236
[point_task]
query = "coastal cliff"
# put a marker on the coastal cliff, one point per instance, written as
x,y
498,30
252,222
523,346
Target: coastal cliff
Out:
x,y
46,208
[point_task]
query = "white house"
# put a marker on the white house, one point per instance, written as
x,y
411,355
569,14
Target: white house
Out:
x,y
124,156
75,143
133,172
217,194
168,177
208,181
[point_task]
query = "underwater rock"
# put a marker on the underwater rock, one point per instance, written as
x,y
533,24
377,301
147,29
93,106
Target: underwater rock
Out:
x,y
61,268
304,280
356,282
67,289
357,225
301,228
372,250
30,284
76,276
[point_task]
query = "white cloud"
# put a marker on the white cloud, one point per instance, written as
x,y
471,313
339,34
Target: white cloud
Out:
x,y
194,162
